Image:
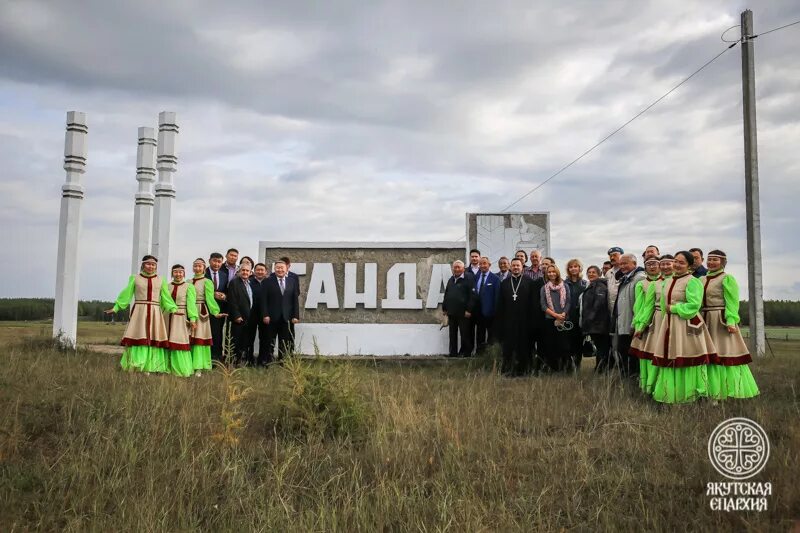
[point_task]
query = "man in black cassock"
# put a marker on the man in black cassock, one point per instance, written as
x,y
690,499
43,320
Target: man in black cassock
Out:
x,y
514,315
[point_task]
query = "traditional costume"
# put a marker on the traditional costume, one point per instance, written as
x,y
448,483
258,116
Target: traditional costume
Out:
x,y
729,375
206,306
684,346
145,338
646,320
178,329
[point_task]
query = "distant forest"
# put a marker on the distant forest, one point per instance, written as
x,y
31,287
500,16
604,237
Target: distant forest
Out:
x,y
776,312
42,309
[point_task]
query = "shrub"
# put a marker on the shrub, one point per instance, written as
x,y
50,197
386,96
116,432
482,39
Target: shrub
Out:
x,y
323,400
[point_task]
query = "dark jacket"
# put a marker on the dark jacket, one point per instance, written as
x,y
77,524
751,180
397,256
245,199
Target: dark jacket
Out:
x,y
594,308
284,306
222,280
238,301
459,296
259,296
488,295
576,288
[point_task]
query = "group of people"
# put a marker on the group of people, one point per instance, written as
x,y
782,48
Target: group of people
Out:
x,y
671,324
178,326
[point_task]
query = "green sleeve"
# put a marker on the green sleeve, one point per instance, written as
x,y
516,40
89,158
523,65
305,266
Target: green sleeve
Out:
x,y
126,296
191,302
211,302
167,303
638,302
730,291
694,300
647,307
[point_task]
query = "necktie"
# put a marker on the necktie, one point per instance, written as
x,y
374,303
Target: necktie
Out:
x,y
281,284
216,282
481,281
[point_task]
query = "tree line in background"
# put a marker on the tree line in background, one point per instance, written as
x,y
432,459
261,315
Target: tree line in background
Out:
x,y
42,309
776,312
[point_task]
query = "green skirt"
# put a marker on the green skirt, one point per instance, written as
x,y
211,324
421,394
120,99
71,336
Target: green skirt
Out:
x,y
180,363
144,359
201,357
647,375
731,382
680,385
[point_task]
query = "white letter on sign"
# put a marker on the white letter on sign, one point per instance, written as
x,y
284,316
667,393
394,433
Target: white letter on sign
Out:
x,y
322,287
439,276
370,295
409,299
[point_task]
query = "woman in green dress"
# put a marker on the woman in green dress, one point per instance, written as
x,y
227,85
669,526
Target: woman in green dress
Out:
x,y
729,373
643,323
145,339
684,346
180,323
206,306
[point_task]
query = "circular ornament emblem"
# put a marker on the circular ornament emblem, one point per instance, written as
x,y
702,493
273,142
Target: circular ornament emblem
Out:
x,y
738,448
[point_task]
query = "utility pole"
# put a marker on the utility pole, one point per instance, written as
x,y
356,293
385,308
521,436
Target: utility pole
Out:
x,y
752,204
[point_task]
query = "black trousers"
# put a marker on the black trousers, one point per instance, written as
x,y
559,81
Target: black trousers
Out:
x,y
537,355
240,335
555,346
602,344
282,331
575,338
484,335
628,364
217,340
257,326
459,326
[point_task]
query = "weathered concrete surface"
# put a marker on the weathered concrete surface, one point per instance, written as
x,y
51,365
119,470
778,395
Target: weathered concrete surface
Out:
x,y
501,234
305,257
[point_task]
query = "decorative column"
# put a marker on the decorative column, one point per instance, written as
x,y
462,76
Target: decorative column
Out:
x,y
143,209
65,313
165,190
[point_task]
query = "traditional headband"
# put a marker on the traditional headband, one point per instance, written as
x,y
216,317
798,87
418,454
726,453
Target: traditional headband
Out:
x,y
652,260
718,256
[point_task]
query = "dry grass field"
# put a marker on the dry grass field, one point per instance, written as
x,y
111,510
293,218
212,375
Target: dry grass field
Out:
x,y
320,445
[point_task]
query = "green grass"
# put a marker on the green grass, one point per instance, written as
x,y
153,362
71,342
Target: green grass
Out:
x,y
89,332
446,446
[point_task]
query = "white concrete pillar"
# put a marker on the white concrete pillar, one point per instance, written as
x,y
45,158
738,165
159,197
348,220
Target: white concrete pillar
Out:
x,y
65,313
143,208
165,190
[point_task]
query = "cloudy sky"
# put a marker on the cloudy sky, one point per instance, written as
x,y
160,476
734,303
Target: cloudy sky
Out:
x,y
389,121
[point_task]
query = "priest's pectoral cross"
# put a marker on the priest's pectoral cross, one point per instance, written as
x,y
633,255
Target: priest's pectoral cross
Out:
x,y
514,296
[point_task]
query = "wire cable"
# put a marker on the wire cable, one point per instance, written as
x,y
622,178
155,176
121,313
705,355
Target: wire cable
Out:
x,y
775,29
607,137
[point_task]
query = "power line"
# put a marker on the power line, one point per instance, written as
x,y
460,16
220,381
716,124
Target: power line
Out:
x,y
607,137
775,29
646,109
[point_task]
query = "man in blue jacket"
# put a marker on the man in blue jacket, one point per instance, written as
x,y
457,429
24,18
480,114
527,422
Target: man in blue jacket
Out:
x,y
487,289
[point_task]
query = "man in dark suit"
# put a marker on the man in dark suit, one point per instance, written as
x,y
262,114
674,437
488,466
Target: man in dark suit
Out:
x,y
219,277
258,283
282,311
459,304
289,272
240,309
504,265
487,288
